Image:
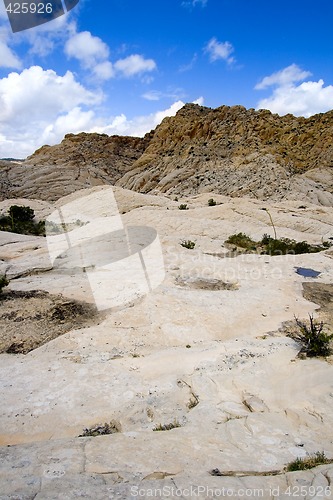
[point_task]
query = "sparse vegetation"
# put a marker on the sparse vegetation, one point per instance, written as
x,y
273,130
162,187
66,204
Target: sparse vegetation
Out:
x,y
20,220
193,402
101,430
167,427
312,339
3,282
183,206
272,246
188,244
211,202
309,462
241,240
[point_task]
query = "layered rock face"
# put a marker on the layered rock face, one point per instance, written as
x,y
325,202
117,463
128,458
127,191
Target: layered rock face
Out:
x,y
234,151
229,150
79,161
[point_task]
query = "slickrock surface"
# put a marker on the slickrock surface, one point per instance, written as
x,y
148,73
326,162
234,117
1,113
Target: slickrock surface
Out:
x,y
231,151
205,350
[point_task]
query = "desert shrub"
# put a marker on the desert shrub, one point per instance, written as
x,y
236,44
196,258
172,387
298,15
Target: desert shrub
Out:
x,y
309,462
3,282
211,202
274,246
101,430
20,220
188,244
167,427
312,339
183,206
21,213
242,240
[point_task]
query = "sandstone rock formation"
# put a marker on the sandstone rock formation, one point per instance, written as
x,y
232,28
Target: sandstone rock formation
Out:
x,y
235,151
80,161
204,350
229,150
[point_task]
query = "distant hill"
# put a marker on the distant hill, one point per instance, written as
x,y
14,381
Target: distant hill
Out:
x,y
228,150
11,159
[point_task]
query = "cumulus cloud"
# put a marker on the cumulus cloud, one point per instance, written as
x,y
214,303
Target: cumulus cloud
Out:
x,y
290,96
220,51
305,99
88,49
93,54
139,125
39,107
33,100
134,65
286,76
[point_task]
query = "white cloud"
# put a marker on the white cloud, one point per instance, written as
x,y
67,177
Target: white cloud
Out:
x,y
74,121
289,96
286,76
305,99
8,59
140,125
88,49
32,101
39,107
220,51
93,55
134,64
200,101
104,70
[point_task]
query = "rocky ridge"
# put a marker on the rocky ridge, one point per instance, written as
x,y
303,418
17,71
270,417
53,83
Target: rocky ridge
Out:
x,y
231,151
79,161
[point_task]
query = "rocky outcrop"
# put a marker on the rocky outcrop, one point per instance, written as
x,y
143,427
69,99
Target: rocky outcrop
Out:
x,y
235,151
80,161
231,151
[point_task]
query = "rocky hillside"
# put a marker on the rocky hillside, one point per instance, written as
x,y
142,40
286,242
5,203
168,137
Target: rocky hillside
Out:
x,y
79,161
235,151
228,150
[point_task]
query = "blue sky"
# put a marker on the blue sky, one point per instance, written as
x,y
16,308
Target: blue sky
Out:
x,y
121,66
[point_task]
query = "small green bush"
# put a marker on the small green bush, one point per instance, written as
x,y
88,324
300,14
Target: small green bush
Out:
x,y
211,202
183,206
188,244
21,213
274,246
313,341
3,282
242,240
309,462
20,220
